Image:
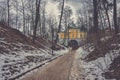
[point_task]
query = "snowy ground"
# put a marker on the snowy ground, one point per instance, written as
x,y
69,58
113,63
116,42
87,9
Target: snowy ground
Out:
x,y
14,64
19,61
93,70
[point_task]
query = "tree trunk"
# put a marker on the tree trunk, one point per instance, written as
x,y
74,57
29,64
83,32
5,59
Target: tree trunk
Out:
x,y
8,6
36,18
59,27
115,18
106,12
23,13
16,14
43,24
95,21
95,15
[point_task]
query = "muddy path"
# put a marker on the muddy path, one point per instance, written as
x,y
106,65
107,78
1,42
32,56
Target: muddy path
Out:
x,y
58,69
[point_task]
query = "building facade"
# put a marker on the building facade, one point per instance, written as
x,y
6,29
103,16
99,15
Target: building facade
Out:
x,y
72,34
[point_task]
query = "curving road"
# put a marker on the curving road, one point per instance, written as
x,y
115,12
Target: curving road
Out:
x,y
58,69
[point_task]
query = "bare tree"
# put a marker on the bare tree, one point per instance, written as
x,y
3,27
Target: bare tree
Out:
x,y
8,10
43,21
23,12
16,3
115,17
36,18
3,11
95,20
95,4
105,5
59,26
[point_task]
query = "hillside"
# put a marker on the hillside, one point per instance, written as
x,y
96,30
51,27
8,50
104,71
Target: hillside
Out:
x,y
106,56
13,37
18,54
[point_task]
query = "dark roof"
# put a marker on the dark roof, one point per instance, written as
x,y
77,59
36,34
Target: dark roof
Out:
x,y
73,26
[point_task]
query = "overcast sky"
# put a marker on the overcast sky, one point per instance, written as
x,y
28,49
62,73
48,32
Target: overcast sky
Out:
x,y
52,9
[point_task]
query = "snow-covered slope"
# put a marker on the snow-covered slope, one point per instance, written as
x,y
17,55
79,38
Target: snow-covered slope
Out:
x,y
102,61
18,54
92,70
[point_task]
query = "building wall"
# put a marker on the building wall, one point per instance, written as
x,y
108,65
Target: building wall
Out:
x,y
73,34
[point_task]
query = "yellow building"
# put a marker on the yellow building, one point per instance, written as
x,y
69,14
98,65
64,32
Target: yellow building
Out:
x,y
73,33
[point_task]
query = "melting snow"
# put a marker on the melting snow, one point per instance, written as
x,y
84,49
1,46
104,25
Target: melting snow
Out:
x,y
105,38
18,61
93,70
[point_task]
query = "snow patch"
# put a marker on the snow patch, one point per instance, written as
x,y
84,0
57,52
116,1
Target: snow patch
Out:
x,y
16,60
93,70
105,38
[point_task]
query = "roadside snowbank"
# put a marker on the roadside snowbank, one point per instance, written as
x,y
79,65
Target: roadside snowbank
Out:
x,y
92,70
19,60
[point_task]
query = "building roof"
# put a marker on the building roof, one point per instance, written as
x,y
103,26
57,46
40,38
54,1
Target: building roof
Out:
x,y
73,26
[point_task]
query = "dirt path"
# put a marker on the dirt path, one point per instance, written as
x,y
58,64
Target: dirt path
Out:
x,y
56,70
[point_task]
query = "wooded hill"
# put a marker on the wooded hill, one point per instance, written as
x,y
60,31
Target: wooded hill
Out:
x,y
14,38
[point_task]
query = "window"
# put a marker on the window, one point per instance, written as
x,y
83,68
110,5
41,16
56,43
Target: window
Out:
x,y
72,35
81,35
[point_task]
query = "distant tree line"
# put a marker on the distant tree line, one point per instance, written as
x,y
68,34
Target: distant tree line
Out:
x,y
100,16
30,16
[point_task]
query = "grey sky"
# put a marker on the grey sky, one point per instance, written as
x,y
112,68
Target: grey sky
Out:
x,y
52,8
